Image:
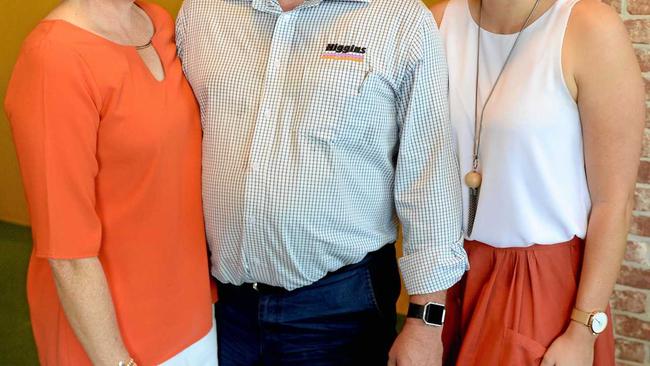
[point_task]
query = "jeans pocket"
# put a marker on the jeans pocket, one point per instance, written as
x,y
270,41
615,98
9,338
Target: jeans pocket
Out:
x,y
384,283
372,293
520,350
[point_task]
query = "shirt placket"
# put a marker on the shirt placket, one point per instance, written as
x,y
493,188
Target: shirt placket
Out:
x,y
260,152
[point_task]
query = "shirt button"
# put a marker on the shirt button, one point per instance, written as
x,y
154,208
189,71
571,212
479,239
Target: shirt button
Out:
x,y
255,166
285,18
267,113
250,219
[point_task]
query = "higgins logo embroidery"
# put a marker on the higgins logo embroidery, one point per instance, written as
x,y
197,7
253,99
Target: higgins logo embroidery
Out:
x,y
335,51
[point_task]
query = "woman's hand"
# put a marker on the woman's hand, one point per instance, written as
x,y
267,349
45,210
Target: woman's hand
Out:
x,y
573,348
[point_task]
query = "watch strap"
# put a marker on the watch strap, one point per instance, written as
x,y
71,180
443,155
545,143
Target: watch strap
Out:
x,y
415,311
431,313
581,317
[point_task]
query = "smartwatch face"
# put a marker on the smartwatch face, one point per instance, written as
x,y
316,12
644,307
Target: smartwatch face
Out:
x,y
599,323
434,314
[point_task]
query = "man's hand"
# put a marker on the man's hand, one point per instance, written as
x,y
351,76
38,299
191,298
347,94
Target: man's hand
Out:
x,y
573,348
417,345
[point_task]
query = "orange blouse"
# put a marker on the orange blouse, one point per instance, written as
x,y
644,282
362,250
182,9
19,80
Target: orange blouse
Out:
x,y
111,163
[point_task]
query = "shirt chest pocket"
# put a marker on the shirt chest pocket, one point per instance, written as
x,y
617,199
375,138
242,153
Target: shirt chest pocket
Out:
x,y
328,97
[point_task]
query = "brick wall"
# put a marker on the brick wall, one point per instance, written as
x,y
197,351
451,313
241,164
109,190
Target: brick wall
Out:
x,y
630,302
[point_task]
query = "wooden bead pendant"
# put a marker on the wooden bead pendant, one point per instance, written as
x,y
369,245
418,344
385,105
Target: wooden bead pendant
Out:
x,y
473,179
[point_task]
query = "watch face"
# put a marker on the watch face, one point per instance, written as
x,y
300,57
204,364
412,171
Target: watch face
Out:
x,y
434,314
598,323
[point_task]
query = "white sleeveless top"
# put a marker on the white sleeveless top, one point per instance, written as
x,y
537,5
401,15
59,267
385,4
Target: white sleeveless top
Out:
x,y
534,188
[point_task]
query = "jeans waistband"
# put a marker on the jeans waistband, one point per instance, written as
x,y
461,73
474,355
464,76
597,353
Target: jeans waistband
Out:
x,y
264,289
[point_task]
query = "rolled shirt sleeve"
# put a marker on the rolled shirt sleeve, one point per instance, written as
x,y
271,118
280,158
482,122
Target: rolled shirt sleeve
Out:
x,y
54,116
427,182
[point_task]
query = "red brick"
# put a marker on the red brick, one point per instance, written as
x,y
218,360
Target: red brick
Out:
x,y
643,55
616,4
640,225
634,277
646,138
629,300
631,327
638,7
630,350
639,30
644,172
647,88
637,252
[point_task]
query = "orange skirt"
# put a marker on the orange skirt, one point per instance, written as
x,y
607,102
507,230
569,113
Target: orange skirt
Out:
x,y
513,303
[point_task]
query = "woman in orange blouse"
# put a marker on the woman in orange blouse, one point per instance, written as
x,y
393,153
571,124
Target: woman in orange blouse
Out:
x,y
108,137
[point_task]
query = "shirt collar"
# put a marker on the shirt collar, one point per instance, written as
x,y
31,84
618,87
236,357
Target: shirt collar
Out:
x,y
272,6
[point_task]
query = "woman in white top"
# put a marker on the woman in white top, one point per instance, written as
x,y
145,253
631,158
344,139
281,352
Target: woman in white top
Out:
x,y
548,110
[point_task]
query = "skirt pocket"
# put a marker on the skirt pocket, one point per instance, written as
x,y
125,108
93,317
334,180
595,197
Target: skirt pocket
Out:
x,y
520,350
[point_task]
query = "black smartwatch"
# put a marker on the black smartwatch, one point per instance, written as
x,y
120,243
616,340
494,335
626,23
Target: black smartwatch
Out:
x,y
432,313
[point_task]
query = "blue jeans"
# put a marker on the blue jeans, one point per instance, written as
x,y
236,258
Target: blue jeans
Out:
x,y
346,318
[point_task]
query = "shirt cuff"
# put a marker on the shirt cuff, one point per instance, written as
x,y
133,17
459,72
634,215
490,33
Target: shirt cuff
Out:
x,y
433,270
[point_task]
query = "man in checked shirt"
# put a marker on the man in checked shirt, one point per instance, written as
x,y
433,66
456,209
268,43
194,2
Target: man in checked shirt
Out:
x,y
324,121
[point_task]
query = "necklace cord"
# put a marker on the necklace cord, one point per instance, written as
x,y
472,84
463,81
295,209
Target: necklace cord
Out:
x,y
478,122
145,46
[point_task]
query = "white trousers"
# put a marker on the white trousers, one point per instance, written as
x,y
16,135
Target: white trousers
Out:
x,y
201,353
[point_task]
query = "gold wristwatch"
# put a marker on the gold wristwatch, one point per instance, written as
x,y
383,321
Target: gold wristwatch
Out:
x,y
596,321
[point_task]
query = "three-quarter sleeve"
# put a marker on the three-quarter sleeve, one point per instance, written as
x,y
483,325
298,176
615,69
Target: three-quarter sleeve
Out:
x,y
427,182
53,108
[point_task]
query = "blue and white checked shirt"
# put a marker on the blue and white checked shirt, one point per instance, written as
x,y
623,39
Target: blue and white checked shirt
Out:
x,y
321,126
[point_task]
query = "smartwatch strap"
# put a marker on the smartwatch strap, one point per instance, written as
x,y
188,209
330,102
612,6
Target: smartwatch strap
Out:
x,y
431,313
